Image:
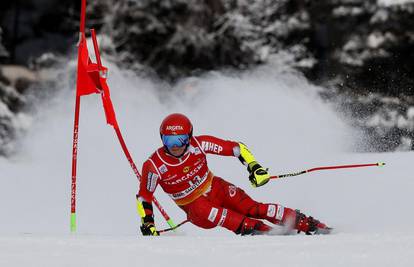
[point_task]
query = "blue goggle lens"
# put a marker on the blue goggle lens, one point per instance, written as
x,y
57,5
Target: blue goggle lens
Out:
x,y
175,140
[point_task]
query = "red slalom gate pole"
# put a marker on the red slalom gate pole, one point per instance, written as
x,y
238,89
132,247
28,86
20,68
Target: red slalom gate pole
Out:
x,y
378,164
76,131
74,164
82,17
106,97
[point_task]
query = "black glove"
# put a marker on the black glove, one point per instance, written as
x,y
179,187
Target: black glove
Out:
x,y
149,229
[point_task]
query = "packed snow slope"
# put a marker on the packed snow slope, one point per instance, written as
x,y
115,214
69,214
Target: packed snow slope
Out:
x,y
393,2
275,112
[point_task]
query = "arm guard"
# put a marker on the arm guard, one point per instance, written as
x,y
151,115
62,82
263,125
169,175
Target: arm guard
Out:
x,y
145,211
243,153
258,175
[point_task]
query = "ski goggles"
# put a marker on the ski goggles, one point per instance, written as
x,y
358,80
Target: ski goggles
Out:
x,y
175,140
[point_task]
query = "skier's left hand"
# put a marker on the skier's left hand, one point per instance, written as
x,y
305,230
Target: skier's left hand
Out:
x,y
258,175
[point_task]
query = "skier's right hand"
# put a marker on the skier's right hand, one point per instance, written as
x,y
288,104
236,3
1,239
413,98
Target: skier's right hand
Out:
x,y
149,229
258,175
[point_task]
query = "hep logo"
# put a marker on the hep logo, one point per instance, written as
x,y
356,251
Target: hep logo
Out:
x,y
174,127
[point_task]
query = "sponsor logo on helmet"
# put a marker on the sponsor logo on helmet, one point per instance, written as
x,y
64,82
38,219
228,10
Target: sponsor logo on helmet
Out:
x,y
174,128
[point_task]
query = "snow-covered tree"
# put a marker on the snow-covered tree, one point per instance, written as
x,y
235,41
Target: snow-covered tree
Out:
x,y
176,38
3,51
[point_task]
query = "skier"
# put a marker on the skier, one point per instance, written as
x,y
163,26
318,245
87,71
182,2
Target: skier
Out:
x,y
180,168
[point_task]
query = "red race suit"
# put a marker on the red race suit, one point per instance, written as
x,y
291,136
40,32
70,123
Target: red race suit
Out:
x,y
208,200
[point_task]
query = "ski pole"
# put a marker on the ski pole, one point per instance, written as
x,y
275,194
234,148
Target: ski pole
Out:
x,y
172,228
380,164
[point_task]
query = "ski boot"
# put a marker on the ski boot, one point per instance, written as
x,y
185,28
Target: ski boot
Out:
x,y
253,227
309,225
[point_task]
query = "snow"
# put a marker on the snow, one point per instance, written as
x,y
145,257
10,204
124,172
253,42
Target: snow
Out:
x,y
375,40
380,16
342,11
273,110
394,2
339,250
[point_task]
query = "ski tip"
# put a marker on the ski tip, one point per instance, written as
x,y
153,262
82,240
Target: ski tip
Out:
x,y
381,164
